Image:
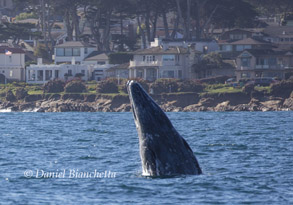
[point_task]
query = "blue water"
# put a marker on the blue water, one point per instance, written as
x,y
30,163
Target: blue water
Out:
x,y
246,157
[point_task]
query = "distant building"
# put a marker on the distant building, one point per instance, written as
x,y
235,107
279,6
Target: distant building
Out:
x,y
240,34
64,53
12,63
227,69
6,7
241,45
40,74
160,62
118,71
205,46
257,63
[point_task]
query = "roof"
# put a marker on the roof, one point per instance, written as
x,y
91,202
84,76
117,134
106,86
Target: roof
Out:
x,y
247,41
73,44
3,49
279,31
263,52
161,50
97,55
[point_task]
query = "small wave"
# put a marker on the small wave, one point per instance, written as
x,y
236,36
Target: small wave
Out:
x,y
5,110
31,110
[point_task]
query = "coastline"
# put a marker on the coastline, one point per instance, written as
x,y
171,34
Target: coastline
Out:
x,y
171,102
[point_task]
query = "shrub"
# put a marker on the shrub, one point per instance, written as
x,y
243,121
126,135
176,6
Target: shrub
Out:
x,y
282,89
248,88
107,86
75,86
20,93
79,75
144,84
10,96
54,86
215,80
190,86
164,86
120,58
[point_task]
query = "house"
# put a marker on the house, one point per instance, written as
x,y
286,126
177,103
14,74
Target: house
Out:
x,y
6,7
241,45
41,73
119,71
160,62
205,45
256,63
64,53
226,69
240,34
282,36
12,63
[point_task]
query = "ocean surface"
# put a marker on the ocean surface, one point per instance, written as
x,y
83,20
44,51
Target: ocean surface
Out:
x,y
93,158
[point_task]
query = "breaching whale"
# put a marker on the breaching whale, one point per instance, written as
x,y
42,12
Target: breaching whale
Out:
x,y
163,151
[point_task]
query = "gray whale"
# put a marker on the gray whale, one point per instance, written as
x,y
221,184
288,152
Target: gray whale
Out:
x,y
163,151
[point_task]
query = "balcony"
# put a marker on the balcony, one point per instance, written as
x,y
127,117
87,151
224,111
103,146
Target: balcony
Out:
x,y
262,66
145,63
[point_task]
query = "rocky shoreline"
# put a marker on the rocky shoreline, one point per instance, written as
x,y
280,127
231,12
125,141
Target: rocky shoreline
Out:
x,y
187,102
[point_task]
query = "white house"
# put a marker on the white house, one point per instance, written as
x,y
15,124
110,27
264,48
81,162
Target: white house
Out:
x,y
64,53
41,73
12,63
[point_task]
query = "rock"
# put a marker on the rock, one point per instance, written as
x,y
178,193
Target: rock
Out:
x,y
224,106
26,106
288,103
90,98
32,98
272,105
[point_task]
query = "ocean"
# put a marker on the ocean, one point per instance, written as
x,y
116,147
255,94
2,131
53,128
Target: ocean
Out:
x,y
93,158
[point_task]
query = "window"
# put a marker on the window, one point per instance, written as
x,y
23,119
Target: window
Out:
x,y
179,73
60,51
101,62
76,51
168,74
68,51
10,59
85,50
83,72
69,72
226,47
149,58
242,47
56,73
245,75
245,62
168,57
272,61
139,74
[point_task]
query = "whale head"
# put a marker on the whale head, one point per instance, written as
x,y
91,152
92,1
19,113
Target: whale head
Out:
x,y
162,150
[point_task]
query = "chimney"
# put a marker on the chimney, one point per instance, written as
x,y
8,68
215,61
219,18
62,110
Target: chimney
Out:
x,y
40,61
73,61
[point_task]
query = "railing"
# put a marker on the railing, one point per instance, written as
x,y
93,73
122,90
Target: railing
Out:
x,y
256,67
145,63
262,66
